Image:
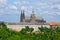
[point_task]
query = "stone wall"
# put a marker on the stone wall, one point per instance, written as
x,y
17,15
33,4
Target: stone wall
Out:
x,y
19,27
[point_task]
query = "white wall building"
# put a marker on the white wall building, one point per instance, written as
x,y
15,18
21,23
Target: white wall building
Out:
x,y
18,27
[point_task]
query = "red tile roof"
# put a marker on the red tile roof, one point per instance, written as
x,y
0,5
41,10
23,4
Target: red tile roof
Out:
x,y
53,23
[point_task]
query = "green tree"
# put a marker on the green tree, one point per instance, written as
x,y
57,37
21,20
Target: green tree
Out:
x,y
2,24
31,29
28,29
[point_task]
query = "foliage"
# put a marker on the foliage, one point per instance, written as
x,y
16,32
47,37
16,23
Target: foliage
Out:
x,y
2,24
27,29
42,29
23,31
52,34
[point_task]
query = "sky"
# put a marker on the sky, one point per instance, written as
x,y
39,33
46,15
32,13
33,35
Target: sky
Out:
x,y
10,10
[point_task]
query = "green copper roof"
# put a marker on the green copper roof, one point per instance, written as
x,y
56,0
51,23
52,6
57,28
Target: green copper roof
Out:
x,y
32,11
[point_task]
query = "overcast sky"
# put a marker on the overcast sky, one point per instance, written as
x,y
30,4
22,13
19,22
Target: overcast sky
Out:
x,y
47,9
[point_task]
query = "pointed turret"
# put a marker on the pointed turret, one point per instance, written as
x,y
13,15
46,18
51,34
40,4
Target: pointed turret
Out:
x,y
22,18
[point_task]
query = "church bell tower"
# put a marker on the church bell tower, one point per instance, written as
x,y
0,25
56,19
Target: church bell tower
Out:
x,y
32,18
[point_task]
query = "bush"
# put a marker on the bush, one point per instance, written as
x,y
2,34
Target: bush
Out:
x,y
52,34
27,29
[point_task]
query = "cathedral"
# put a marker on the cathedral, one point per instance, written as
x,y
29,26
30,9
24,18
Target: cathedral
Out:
x,y
32,20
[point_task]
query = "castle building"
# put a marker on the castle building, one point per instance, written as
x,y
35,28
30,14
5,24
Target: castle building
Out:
x,y
32,22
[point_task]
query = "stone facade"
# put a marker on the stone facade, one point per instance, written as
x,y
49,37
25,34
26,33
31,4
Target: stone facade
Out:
x,y
19,27
32,19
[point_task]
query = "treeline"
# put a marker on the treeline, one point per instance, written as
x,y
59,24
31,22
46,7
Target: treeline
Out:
x,y
28,34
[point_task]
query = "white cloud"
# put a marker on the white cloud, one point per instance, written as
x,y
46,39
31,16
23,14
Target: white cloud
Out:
x,y
23,7
1,11
55,6
58,6
55,0
3,0
17,2
12,7
47,12
26,2
50,16
57,13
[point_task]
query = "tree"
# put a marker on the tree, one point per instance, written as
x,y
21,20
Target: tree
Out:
x,y
23,31
41,28
28,29
31,29
2,24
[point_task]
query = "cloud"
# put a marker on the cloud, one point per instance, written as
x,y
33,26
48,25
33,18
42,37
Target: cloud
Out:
x,y
57,13
47,12
54,0
26,2
40,6
1,11
49,16
49,9
17,2
43,7
23,7
12,7
3,0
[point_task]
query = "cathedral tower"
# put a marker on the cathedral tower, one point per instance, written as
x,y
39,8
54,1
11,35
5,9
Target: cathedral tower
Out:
x,y
32,18
22,17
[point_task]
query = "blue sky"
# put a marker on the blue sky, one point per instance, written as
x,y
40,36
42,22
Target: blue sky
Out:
x,y
47,9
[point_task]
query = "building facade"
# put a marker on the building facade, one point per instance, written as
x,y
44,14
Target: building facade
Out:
x,y
32,19
32,22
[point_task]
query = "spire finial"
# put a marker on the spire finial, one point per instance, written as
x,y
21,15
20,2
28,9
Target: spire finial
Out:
x,y
32,11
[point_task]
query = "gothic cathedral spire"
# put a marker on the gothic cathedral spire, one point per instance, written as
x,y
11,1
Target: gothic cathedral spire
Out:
x,y
22,17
